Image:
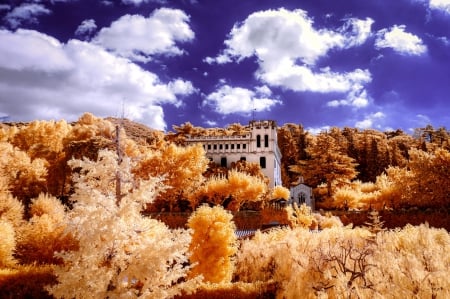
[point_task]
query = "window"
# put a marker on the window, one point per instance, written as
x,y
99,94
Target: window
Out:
x,y
215,146
238,146
223,161
243,159
209,146
301,198
262,162
244,146
220,146
258,140
226,146
266,140
232,146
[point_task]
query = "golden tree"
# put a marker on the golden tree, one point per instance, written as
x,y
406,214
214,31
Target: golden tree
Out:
x,y
25,177
121,253
7,245
180,167
45,233
328,164
213,244
11,209
231,192
430,187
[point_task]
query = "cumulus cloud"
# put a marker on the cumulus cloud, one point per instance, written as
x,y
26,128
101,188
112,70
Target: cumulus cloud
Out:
x,y
86,28
30,50
288,46
357,98
26,13
279,33
370,121
295,77
228,100
51,80
138,38
402,42
443,5
356,31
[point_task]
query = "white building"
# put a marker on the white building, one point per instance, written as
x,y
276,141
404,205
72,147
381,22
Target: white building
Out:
x,y
301,194
258,145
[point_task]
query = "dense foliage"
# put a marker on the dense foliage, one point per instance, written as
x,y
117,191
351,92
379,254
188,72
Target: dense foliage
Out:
x,y
73,200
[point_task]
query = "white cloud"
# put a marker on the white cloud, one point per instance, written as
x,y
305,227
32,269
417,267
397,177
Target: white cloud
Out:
x,y
27,12
280,33
443,5
370,121
289,75
179,86
138,38
76,77
210,123
357,98
263,90
287,47
317,130
400,41
422,120
5,7
139,2
87,27
357,31
227,100
30,50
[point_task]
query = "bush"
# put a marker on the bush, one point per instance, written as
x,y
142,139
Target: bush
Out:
x,y
7,245
213,244
45,233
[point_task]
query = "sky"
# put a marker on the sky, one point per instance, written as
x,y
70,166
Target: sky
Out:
x,y
372,64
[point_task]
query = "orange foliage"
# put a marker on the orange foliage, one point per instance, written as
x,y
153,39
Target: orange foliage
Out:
x,y
180,167
45,233
7,245
25,177
280,192
231,192
213,244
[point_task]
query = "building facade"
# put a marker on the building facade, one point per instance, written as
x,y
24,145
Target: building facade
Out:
x,y
258,144
301,194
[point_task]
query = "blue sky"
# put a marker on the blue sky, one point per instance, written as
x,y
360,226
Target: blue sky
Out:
x,y
378,64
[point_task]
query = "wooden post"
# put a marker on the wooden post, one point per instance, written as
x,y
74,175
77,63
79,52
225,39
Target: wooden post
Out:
x,y
119,162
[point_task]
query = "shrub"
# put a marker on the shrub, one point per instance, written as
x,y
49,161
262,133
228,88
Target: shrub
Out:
x,y
45,233
213,244
7,245
11,210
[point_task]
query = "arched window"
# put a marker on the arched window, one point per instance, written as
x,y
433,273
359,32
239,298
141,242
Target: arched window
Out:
x,y
301,198
266,140
258,140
